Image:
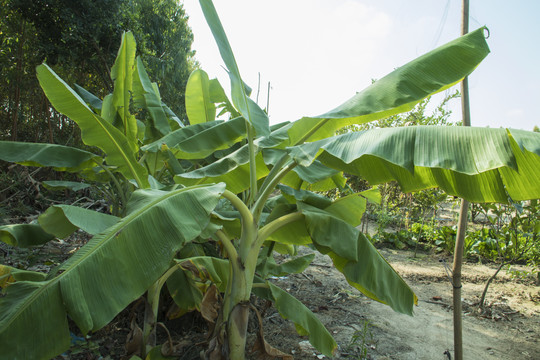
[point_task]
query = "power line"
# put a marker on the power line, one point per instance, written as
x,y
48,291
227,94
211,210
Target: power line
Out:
x,y
442,23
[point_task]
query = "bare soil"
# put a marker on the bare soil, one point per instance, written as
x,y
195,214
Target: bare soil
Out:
x,y
364,329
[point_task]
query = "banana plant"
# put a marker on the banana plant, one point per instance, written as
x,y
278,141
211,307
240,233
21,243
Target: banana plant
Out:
x,y
255,190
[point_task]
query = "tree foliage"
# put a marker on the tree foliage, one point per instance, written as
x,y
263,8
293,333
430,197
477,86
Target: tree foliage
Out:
x,y
79,39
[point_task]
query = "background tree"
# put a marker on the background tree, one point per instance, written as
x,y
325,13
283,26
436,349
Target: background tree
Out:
x,y
79,40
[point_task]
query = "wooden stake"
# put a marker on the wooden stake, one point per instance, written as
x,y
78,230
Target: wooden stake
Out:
x,y
463,213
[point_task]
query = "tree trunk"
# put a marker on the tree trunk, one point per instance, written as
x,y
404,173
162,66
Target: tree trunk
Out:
x,y
18,79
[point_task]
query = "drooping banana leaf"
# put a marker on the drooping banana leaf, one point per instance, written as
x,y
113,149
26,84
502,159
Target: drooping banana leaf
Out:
x,y
478,164
400,90
240,97
94,130
59,157
24,235
63,220
306,322
103,277
355,256
199,106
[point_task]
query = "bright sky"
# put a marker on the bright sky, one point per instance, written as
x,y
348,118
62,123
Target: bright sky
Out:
x,y
316,54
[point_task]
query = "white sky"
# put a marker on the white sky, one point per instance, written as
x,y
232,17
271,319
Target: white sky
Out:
x,y
318,53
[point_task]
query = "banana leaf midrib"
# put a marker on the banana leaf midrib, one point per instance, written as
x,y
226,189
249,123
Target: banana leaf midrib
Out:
x,y
127,220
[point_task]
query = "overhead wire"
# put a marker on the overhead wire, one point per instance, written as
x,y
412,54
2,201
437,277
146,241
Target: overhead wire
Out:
x,y
442,23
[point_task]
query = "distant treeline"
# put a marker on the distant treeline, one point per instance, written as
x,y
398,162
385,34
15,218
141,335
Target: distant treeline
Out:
x,y
79,40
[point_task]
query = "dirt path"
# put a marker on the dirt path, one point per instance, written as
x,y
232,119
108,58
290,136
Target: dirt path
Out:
x,y
363,327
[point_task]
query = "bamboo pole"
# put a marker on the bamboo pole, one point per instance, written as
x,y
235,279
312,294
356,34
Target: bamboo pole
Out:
x,y
463,213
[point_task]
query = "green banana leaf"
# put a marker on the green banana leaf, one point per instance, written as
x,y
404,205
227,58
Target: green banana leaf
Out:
x,y
306,322
294,233
94,130
355,256
316,176
308,197
198,141
240,97
218,96
294,266
374,277
146,95
59,157
400,90
478,164
232,170
365,268
103,277
63,220
185,293
24,235
199,106
176,137
10,275
65,185
349,208
88,97
122,76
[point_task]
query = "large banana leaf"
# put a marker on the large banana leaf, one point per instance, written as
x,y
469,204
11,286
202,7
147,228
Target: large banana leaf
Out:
x,y
104,276
94,130
355,256
400,90
122,75
201,140
240,98
59,157
199,106
352,253
146,95
478,164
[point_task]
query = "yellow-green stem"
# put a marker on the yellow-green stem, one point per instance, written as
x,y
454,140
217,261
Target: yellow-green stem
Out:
x,y
277,224
252,164
227,245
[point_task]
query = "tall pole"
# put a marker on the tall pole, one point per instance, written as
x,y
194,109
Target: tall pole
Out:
x,y
463,213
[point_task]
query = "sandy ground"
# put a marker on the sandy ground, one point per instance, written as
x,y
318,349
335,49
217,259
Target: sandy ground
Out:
x,y
365,329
